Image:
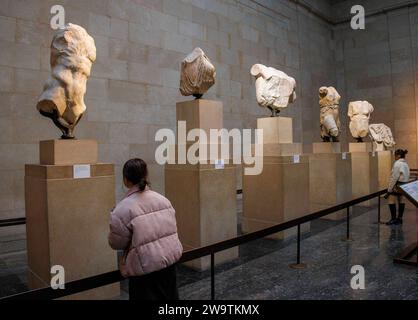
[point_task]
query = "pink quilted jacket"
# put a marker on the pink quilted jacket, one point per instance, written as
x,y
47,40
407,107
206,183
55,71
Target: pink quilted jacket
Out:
x,y
144,225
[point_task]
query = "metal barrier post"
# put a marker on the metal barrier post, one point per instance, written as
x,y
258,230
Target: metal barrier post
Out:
x,y
212,276
298,264
347,236
379,211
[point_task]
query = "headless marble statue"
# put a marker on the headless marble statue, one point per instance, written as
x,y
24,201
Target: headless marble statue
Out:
x,y
73,53
329,100
359,113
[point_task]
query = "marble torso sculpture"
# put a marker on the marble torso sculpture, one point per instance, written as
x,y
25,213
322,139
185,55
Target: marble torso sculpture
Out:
x,y
197,74
359,113
73,53
329,100
274,88
382,136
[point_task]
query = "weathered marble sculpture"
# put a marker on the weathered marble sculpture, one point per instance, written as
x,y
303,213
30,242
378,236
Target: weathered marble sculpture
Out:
x,y
329,117
274,88
382,136
197,74
359,113
73,53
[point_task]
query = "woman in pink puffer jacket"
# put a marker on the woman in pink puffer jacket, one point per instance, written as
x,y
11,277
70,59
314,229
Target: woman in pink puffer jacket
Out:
x,y
144,225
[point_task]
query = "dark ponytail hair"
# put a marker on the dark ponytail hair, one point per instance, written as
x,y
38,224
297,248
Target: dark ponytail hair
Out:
x,y
401,153
136,172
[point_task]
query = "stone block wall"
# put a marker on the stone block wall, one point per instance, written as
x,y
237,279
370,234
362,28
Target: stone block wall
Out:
x,y
133,88
379,64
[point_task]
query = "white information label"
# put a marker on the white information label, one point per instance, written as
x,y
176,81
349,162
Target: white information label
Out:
x,y
344,155
373,154
296,158
81,171
219,164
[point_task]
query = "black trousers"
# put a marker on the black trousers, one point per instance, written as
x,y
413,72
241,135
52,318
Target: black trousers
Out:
x,y
157,286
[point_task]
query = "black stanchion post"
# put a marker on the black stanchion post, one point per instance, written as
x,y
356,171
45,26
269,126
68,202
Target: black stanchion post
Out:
x,y
378,210
298,264
348,223
298,247
347,236
212,276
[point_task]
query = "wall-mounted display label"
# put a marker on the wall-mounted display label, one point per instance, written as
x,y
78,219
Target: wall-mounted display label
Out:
x,y
373,154
344,155
296,158
81,171
219,164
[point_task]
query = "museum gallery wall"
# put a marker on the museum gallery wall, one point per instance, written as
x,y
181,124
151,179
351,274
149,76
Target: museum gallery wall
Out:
x,y
134,82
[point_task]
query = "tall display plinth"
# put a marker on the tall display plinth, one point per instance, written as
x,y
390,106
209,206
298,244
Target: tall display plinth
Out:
x,y
206,210
385,161
330,177
203,195
364,171
281,192
204,153
360,147
67,222
200,114
276,130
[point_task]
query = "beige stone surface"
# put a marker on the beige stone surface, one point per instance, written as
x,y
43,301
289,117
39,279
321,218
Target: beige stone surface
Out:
x,y
204,197
73,53
67,225
200,114
68,152
276,129
205,153
279,194
197,75
329,100
134,82
330,181
236,38
365,172
268,197
326,147
282,149
381,70
205,202
274,88
385,161
360,147
205,115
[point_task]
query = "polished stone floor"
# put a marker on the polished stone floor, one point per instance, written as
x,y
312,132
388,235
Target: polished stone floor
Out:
x,y
329,261
262,271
